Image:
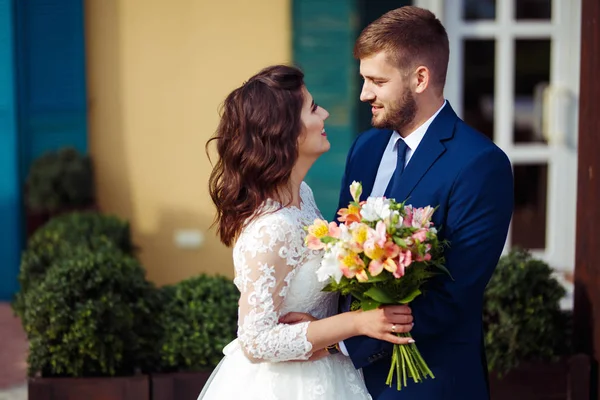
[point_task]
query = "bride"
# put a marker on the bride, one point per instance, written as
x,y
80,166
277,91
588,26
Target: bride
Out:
x,y
270,134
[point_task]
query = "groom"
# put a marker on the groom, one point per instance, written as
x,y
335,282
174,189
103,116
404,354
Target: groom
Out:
x,y
421,151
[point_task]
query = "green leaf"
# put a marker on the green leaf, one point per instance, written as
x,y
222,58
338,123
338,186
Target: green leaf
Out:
x,y
443,268
411,296
400,242
379,295
369,304
382,277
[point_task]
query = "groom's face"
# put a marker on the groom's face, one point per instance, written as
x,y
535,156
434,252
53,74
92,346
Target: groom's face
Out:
x,y
388,91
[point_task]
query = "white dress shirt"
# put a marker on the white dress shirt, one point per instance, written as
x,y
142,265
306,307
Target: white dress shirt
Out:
x,y
387,166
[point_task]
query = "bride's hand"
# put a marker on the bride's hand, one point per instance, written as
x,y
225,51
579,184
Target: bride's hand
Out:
x,y
383,323
296,317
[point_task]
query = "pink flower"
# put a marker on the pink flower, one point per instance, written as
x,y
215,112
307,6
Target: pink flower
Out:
x,y
382,257
362,276
404,260
391,249
334,230
348,272
314,243
320,229
377,237
390,265
426,257
376,266
350,214
408,218
422,217
420,235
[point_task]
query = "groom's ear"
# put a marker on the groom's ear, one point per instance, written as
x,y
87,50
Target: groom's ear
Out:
x,y
421,79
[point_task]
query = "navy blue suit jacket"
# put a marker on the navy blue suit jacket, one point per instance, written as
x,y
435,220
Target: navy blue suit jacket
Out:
x,y
470,179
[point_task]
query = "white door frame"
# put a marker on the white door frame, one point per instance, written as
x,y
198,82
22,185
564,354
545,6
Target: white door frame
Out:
x,y
559,103
557,107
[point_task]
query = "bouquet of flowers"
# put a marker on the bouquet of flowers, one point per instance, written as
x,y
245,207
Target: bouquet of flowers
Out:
x,y
381,253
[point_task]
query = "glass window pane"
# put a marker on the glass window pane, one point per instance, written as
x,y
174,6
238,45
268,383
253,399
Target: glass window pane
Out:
x,y
532,73
474,10
534,9
478,84
529,217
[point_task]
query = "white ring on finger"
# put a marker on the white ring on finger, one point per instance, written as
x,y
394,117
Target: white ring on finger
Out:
x,y
393,328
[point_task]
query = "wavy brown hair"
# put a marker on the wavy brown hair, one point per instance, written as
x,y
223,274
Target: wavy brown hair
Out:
x,y
257,145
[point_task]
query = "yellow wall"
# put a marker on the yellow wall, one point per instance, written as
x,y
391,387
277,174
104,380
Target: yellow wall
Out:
x,y
157,72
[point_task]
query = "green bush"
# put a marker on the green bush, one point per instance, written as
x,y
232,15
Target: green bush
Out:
x,y
81,227
199,319
60,179
55,241
91,316
522,316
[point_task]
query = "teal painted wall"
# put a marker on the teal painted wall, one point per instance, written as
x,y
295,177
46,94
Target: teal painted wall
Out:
x,y
10,194
369,11
51,80
323,38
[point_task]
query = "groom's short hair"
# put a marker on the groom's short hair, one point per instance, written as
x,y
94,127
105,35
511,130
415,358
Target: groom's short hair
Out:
x,y
411,36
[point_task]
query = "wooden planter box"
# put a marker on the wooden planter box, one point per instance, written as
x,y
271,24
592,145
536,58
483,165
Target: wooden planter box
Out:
x,y
178,385
114,388
532,381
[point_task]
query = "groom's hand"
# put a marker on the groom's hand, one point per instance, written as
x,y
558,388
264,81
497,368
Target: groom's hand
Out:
x,y
296,317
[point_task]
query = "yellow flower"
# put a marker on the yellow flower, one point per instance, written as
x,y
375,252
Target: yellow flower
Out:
x,y
350,214
360,233
319,229
374,252
352,261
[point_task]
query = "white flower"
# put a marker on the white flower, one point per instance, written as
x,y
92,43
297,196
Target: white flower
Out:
x,y
376,208
356,191
330,266
345,236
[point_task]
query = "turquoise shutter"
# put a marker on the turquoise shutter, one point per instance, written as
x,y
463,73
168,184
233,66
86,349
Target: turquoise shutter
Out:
x,y
10,192
42,104
323,37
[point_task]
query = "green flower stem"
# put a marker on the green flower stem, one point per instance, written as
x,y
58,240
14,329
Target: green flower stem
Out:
x,y
407,362
411,367
403,373
388,381
400,373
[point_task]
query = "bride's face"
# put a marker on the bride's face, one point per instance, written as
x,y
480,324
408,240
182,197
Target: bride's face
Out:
x,y
313,140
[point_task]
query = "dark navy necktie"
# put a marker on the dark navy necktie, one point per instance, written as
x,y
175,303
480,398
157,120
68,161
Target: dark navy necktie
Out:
x,y
401,148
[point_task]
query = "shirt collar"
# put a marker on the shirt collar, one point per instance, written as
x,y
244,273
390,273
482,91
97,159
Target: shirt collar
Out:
x,y
415,137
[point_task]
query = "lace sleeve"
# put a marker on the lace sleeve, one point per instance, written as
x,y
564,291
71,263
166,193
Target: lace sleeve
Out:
x,y
266,257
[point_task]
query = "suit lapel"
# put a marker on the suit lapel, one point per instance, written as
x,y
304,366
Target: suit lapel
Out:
x,y
368,170
429,150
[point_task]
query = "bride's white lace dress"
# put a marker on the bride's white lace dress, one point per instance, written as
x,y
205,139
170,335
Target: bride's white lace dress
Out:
x,y
275,274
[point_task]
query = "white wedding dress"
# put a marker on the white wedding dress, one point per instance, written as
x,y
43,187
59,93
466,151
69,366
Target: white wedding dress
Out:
x,y
276,274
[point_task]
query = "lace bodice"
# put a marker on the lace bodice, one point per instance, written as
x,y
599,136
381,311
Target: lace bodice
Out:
x,y
276,274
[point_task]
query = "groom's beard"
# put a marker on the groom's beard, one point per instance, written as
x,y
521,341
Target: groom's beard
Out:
x,y
399,115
